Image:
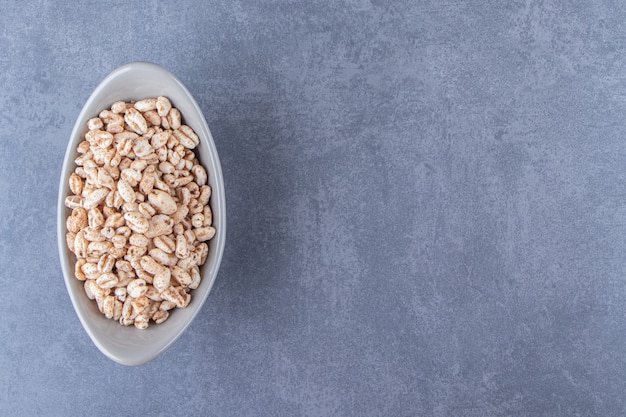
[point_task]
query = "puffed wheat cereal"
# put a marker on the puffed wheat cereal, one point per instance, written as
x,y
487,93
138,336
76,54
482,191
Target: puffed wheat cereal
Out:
x,y
140,214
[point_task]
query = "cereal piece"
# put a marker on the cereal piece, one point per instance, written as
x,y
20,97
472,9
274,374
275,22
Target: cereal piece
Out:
x,y
152,117
182,250
150,265
195,206
197,220
147,183
96,219
108,306
126,191
160,139
94,234
98,249
146,209
146,104
76,184
140,240
105,179
117,310
119,241
131,176
188,262
117,253
162,279
180,214
78,269
202,250
194,190
166,167
174,295
205,233
142,147
115,220
174,118
77,221
80,244
160,316
69,239
185,140
180,275
120,293
114,121
124,231
205,195
190,134
199,174
179,229
90,270
162,201
95,198
118,107
184,196
153,294
106,263
163,106
136,288
127,312
166,305
107,280
165,243
194,273
141,273
94,124
90,289
140,303
142,321
159,225
160,256
137,222
136,121
134,253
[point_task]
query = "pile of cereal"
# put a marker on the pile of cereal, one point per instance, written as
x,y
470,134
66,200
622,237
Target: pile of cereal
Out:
x,y
140,212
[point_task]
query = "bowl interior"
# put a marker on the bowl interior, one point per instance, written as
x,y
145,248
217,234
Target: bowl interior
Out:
x,y
128,345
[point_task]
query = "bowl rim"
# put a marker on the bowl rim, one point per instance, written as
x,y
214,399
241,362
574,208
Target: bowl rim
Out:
x,y
217,204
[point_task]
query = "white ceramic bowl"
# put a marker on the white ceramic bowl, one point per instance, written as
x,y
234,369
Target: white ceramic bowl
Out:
x,y
128,345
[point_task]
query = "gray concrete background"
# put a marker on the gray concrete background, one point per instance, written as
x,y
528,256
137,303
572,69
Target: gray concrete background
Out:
x,y
425,207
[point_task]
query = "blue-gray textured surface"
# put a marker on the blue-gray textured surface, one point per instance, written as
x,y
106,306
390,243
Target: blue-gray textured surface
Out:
x,y
425,207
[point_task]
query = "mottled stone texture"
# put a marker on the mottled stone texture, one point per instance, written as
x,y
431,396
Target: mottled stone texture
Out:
x,y
425,207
